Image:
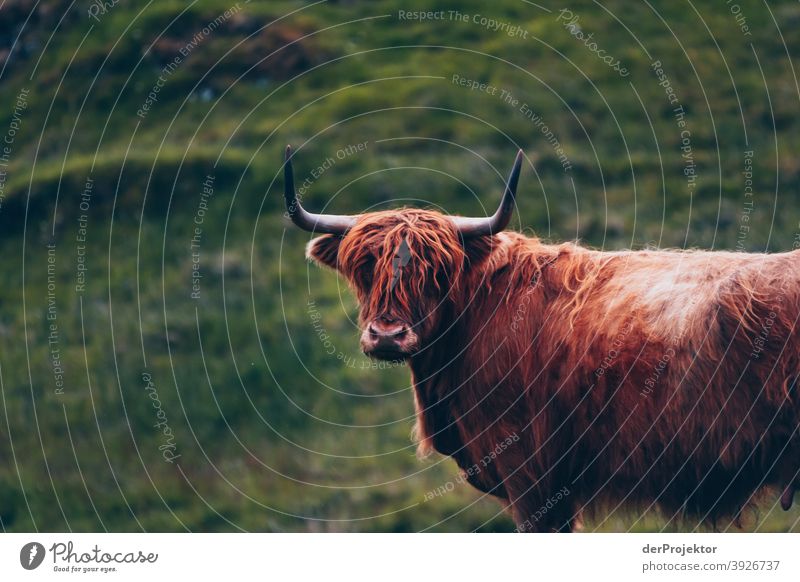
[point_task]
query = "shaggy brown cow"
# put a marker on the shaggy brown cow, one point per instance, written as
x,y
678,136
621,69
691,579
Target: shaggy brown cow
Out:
x,y
562,378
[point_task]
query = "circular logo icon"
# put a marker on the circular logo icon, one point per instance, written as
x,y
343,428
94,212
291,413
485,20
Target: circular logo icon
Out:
x,y
31,555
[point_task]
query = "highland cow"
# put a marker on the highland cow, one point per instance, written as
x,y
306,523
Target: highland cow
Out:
x,y
652,378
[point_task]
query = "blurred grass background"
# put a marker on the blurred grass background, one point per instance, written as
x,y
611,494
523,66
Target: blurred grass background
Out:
x,y
275,432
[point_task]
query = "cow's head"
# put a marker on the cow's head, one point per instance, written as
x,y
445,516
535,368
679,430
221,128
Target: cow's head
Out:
x,y
405,265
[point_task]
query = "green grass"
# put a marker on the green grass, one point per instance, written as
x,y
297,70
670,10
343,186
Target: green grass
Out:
x,y
241,373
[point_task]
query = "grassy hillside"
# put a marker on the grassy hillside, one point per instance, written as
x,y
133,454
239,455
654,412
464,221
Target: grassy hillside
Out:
x,y
146,144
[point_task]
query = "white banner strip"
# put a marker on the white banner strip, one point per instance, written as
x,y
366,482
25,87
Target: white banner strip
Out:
x,y
379,557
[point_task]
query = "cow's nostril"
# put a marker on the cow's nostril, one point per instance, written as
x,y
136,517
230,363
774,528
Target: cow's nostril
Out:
x,y
380,330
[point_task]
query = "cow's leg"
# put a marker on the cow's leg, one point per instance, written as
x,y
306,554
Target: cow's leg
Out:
x,y
787,497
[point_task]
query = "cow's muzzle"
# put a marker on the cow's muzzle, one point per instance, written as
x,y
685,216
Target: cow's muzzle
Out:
x,y
388,339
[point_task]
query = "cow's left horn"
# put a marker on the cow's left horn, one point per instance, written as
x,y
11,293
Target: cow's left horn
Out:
x,y
472,227
321,223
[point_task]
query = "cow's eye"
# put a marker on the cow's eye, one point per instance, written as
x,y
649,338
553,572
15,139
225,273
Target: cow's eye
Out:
x,y
367,272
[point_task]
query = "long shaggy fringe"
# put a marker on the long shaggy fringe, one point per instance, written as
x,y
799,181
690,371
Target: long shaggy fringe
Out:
x,y
366,257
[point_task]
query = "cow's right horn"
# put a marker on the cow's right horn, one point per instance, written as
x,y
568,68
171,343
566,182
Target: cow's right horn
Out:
x,y
472,227
321,223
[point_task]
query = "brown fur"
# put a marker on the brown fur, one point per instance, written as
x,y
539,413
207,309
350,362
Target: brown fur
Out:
x,y
642,378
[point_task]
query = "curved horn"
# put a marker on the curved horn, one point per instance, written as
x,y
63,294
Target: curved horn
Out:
x,y
321,223
472,227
